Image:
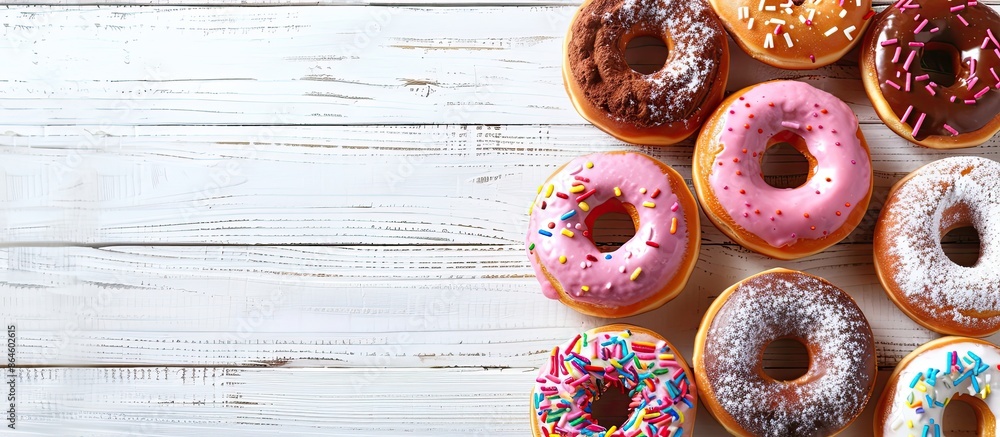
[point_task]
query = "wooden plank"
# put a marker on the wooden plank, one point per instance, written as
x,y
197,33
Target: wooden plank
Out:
x,y
342,185
308,65
170,401
446,306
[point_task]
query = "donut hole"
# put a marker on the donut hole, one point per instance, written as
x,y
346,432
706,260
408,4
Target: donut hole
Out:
x,y
646,54
962,245
786,359
611,407
941,61
785,164
961,416
611,225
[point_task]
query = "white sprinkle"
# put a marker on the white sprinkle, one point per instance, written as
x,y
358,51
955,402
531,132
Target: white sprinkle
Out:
x,y
847,33
761,7
768,41
831,31
770,8
843,13
750,23
777,21
788,40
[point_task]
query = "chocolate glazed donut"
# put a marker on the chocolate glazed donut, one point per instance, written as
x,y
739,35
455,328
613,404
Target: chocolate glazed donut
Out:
x,y
660,108
903,82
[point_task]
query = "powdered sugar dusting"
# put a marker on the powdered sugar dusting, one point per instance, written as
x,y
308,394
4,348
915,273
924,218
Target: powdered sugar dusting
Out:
x,y
923,272
777,305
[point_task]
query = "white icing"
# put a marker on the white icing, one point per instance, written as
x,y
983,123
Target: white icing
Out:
x,y
925,274
776,305
901,416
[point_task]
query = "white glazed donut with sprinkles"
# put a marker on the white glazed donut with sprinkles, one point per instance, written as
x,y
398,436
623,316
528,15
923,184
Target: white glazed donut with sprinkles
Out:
x,y
932,376
642,274
772,305
624,357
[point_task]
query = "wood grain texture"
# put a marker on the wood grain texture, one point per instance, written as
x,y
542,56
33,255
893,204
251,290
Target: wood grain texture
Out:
x,y
294,65
338,185
170,401
416,306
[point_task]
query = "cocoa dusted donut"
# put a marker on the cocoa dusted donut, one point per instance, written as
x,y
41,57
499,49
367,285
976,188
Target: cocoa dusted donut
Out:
x,y
779,304
661,108
905,62
795,34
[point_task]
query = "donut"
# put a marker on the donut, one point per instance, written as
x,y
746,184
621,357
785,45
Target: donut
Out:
x,y
778,304
795,34
916,273
645,272
949,369
661,108
629,358
912,88
784,223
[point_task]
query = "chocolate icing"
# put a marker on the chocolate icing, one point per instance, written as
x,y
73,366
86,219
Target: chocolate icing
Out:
x,y
672,94
900,22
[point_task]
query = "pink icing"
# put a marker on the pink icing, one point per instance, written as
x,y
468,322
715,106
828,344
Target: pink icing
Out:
x,y
842,175
608,277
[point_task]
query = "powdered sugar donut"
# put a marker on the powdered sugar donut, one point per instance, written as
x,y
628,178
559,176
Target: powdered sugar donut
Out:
x,y
642,274
778,304
917,275
660,108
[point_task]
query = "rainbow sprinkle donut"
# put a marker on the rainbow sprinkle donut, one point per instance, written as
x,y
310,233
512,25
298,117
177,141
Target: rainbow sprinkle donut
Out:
x,y
627,357
928,379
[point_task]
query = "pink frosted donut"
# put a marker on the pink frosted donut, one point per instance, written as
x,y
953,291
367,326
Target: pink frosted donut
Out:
x,y
784,223
642,274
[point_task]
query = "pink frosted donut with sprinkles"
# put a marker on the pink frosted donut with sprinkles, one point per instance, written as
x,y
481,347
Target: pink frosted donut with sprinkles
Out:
x,y
948,369
795,34
645,272
637,361
932,71
784,223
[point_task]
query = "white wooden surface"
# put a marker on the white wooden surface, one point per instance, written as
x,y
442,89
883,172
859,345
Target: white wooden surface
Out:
x,y
309,219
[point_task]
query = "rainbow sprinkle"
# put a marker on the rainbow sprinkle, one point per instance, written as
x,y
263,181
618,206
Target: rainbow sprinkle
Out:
x,y
641,365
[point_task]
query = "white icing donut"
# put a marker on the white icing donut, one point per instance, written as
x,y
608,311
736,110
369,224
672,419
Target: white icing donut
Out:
x,y
932,376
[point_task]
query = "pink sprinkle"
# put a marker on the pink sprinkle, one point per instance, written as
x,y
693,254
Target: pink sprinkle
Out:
x,y
989,33
899,4
909,59
908,77
972,82
973,3
772,218
957,8
970,102
906,114
895,57
962,19
994,74
930,90
920,121
892,84
746,214
996,52
972,65
777,30
920,27
934,30
951,99
889,42
922,77
916,44
854,162
986,41
982,92
674,206
809,23
950,129
790,124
